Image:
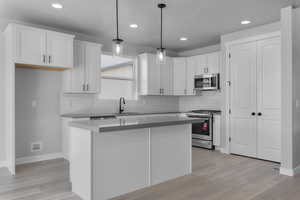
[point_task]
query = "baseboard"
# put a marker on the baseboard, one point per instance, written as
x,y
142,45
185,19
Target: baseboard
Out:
x,y
297,170
287,172
32,159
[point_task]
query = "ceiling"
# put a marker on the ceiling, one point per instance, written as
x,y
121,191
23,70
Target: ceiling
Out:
x,y
201,21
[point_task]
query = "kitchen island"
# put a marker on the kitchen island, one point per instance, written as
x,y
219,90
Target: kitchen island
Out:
x,y
112,157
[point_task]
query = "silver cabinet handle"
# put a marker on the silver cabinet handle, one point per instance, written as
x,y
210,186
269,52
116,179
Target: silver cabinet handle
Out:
x,y
50,59
87,87
44,58
162,91
185,91
83,87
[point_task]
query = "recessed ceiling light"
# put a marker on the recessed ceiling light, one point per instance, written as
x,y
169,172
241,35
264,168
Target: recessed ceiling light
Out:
x,y
133,26
245,22
183,39
57,5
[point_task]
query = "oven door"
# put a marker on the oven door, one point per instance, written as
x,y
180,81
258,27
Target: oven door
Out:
x,y
202,130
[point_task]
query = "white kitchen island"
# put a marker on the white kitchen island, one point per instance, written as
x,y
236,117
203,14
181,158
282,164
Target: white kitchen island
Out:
x,y
112,157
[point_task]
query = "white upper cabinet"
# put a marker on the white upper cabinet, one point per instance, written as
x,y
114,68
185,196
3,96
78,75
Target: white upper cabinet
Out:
x,y
190,75
208,63
201,62
86,75
59,50
179,76
166,77
184,72
154,79
213,63
30,46
41,47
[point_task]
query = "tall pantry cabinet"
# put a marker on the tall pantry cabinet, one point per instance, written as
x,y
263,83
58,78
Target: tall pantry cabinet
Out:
x,y
255,99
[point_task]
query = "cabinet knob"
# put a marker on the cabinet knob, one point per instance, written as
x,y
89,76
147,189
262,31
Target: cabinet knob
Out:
x,y
253,113
259,114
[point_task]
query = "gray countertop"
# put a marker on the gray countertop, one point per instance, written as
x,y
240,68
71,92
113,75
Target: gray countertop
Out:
x,y
138,122
91,114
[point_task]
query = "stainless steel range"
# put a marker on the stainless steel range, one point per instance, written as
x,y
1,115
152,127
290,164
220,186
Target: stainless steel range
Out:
x,y
202,132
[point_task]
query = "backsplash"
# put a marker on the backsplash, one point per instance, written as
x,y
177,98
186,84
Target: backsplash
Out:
x,y
91,103
207,100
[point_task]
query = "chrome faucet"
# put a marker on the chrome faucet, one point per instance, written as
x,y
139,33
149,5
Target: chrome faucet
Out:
x,y
122,105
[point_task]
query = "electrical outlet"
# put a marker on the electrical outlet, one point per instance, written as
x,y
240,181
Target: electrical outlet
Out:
x,y
36,146
34,103
297,103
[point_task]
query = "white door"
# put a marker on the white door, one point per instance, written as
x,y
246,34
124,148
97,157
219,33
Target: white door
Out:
x,y
179,78
166,77
213,62
190,75
93,66
201,64
243,99
269,99
59,50
30,46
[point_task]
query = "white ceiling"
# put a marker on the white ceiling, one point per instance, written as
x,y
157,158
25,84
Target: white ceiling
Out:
x,y
202,21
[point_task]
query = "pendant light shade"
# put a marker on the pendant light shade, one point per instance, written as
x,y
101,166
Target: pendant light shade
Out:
x,y
117,46
161,52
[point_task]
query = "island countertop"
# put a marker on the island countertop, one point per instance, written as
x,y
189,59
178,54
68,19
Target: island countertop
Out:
x,y
119,124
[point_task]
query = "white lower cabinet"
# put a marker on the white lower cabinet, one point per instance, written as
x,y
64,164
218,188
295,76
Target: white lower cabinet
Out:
x,y
86,75
255,119
154,78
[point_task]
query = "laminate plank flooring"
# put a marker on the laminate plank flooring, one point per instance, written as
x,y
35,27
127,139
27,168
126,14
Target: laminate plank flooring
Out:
x,y
215,176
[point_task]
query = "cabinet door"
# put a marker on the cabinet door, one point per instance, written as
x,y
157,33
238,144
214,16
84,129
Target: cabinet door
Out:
x,y
201,64
92,66
269,99
213,62
179,78
243,99
166,78
149,75
190,75
59,50
30,46
78,72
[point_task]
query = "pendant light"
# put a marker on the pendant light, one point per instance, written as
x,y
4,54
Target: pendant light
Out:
x,y
161,52
117,46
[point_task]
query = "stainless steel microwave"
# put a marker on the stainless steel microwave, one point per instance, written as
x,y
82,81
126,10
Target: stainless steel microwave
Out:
x,y
206,82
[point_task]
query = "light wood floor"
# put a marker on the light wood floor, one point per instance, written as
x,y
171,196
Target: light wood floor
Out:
x,y
215,176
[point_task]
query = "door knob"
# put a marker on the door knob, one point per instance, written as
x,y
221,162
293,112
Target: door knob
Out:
x,y
253,113
259,114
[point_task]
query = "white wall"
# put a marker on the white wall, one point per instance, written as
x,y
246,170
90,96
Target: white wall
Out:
x,y
2,136
40,122
296,86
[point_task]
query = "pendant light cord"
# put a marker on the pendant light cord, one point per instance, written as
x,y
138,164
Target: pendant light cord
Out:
x,y
161,26
117,17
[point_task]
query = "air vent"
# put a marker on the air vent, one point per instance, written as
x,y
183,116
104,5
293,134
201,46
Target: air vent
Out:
x,y
36,146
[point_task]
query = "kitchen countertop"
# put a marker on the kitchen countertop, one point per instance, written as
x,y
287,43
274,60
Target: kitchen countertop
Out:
x,y
99,115
119,124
